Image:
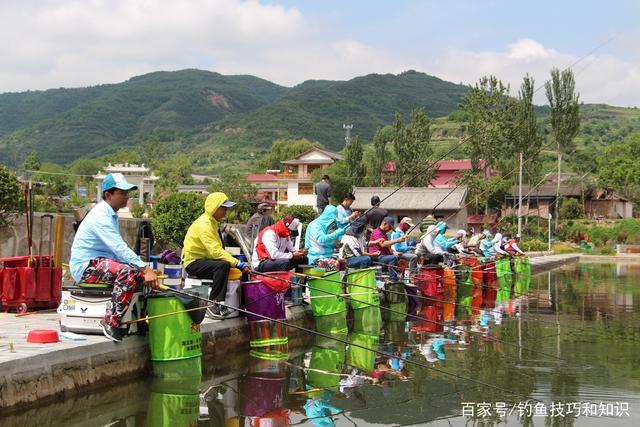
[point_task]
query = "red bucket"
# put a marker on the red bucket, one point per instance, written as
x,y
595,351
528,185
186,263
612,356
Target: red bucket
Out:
x,y
275,280
429,280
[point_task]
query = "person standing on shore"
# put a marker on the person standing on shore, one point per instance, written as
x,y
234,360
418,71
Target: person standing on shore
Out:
x,y
323,194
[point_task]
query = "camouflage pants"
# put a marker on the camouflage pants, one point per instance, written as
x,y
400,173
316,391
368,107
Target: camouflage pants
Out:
x,y
125,278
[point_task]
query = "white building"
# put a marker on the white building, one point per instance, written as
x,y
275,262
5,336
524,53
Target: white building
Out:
x,y
298,187
138,175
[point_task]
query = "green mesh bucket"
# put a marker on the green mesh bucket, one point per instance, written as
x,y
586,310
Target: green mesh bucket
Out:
x,y
465,285
177,370
397,293
174,403
397,312
503,271
367,320
325,364
326,303
265,333
365,294
362,358
396,332
171,337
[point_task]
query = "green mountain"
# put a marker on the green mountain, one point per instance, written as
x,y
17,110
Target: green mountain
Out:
x,y
204,114
65,124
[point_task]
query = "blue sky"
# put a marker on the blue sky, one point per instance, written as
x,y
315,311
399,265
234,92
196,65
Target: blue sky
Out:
x,y
71,43
432,26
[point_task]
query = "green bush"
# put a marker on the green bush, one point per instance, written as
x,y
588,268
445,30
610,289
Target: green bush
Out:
x,y
172,216
533,245
305,214
603,233
10,196
136,209
571,209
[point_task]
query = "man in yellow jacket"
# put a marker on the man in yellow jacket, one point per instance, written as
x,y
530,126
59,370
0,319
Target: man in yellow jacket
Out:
x,y
203,249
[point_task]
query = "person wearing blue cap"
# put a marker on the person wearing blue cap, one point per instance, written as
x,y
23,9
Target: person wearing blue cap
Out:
x,y
203,250
99,254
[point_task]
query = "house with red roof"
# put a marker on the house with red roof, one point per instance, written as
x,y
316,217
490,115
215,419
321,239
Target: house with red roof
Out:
x,y
293,185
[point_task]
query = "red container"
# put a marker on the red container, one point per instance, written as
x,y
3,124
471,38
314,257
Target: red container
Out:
x,y
13,262
429,280
26,283
431,313
277,280
9,283
43,283
56,285
43,336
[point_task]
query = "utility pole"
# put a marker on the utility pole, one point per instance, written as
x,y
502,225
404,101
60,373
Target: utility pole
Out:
x,y
558,189
347,128
520,198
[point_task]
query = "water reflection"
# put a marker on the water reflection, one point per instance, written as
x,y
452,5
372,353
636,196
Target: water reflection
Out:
x,y
568,336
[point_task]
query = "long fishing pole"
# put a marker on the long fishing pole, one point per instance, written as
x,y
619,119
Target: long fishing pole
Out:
x,y
420,318
378,352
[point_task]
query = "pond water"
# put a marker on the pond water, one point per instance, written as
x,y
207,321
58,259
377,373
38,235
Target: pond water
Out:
x,y
563,349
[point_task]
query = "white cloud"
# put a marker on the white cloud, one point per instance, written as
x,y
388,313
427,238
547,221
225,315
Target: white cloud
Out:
x,y
599,78
83,42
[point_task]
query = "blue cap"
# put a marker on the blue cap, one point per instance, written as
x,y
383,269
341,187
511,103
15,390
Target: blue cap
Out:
x,y
228,204
389,220
116,180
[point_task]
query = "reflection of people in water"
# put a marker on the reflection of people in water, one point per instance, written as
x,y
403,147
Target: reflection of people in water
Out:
x,y
320,411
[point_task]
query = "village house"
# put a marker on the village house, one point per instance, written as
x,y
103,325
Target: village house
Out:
x,y
417,203
296,186
540,200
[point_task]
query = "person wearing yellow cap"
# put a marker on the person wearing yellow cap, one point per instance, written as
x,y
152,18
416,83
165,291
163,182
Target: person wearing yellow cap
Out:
x,y
203,250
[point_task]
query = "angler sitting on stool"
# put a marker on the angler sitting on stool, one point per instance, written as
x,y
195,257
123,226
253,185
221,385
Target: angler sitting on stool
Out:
x,y
273,249
203,251
100,255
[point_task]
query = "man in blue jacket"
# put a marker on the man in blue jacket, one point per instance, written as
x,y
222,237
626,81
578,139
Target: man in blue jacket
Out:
x,y
100,255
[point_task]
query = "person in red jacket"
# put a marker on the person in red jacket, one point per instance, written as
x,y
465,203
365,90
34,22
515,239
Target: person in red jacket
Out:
x,y
274,251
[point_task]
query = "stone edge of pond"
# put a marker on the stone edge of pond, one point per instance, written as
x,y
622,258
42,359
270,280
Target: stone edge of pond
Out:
x,y
56,374
61,373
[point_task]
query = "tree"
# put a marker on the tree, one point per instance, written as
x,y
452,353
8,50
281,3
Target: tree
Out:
x,y
173,172
172,216
10,196
571,209
239,190
32,162
353,158
412,149
619,167
58,180
565,119
151,152
382,138
486,106
526,138
284,149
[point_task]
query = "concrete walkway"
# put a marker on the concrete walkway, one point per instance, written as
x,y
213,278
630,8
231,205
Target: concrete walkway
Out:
x,y
31,373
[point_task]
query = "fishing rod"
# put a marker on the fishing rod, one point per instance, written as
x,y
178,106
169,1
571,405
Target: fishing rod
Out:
x,y
378,352
420,318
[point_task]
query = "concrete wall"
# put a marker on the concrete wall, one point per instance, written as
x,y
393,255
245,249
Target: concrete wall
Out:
x,y
13,239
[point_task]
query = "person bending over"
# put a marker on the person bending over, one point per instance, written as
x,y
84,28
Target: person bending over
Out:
x,y
322,237
273,249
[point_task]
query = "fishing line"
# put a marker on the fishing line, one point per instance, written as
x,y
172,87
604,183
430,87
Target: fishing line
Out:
x,y
378,352
426,320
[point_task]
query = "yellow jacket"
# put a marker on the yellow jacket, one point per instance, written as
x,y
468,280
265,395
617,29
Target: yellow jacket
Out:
x,y
203,237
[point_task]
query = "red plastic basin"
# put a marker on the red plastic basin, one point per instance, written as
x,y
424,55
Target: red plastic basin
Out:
x,y
43,336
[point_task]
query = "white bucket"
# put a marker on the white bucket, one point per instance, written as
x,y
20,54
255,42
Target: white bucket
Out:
x,y
232,298
174,275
